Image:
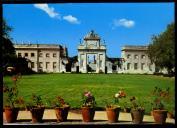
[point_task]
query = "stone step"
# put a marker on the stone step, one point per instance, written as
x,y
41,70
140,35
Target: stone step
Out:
x,y
100,117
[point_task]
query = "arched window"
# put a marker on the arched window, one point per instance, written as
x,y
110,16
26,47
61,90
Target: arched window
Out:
x,y
142,56
136,57
128,56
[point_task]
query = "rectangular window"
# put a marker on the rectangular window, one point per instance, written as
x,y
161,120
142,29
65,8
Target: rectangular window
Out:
x,y
26,54
142,66
40,54
19,55
47,65
40,64
128,56
32,64
54,55
47,55
54,65
128,66
135,66
32,54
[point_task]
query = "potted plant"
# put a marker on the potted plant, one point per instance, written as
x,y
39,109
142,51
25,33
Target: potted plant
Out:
x,y
158,109
12,102
88,106
126,107
137,111
61,108
36,108
113,110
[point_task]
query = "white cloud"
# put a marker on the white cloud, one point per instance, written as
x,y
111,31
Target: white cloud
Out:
x,y
49,10
124,22
71,19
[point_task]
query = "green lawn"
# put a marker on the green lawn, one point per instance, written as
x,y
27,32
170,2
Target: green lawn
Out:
x,y
103,86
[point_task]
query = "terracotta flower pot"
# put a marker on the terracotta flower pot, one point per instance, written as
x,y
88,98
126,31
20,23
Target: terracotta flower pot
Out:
x,y
113,114
61,113
11,114
160,116
137,116
37,114
88,114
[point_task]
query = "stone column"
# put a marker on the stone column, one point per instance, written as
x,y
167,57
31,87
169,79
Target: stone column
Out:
x,y
97,63
58,63
103,62
85,63
79,62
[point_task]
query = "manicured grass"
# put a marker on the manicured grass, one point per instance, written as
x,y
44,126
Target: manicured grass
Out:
x,y
103,86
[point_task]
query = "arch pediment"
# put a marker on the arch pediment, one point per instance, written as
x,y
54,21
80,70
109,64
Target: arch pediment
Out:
x,y
92,41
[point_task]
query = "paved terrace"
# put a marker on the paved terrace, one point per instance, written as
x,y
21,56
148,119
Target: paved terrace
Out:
x,y
100,118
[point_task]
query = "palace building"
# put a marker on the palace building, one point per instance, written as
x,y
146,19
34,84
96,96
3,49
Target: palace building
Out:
x,y
91,58
136,60
43,57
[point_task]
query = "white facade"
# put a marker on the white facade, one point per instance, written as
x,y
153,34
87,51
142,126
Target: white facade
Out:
x,y
91,46
109,67
136,60
43,57
53,58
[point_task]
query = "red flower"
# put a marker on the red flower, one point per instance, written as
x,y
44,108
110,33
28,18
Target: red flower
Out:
x,y
87,94
14,78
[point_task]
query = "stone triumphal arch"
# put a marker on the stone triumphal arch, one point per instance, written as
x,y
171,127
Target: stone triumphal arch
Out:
x,y
92,54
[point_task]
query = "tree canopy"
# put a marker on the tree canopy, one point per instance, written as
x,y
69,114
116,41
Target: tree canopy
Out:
x,y
9,57
162,49
8,50
6,29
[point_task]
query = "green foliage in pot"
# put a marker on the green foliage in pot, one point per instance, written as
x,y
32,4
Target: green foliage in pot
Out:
x,y
35,102
13,100
160,97
58,101
136,105
116,98
88,100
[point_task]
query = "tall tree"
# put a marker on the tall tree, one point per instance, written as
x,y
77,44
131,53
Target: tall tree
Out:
x,y
9,57
162,49
8,50
6,29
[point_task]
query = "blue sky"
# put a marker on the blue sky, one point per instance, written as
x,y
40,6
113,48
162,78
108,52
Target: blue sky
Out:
x,y
118,24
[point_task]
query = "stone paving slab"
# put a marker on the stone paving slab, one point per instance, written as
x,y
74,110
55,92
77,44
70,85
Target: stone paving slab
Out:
x,y
49,117
75,122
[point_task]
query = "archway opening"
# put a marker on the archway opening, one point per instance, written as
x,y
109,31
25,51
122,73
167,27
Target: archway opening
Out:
x,y
91,62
